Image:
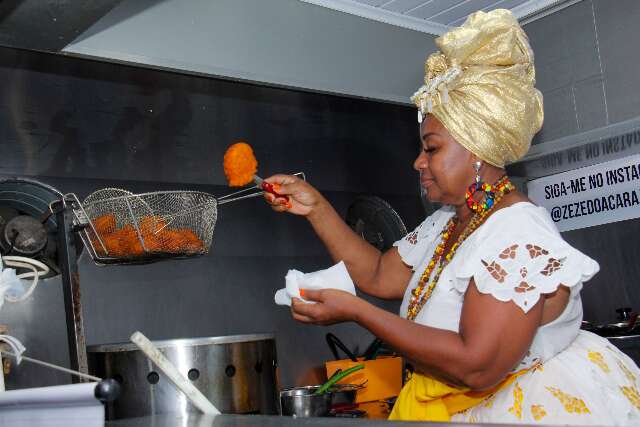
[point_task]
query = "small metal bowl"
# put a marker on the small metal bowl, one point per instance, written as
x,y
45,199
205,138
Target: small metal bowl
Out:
x,y
344,394
301,402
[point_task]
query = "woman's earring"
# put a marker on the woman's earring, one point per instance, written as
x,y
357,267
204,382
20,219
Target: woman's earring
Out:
x,y
487,189
477,165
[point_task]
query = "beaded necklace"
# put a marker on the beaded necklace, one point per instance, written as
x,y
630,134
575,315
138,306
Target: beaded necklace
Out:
x,y
419,296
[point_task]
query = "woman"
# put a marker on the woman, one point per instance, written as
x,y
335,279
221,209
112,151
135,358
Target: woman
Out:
x,y
491,292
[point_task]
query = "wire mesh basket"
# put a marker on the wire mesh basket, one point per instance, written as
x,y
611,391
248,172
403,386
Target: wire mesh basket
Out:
x,y
119,227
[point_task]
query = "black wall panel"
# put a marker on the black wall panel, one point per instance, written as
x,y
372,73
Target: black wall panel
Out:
x,y
81,125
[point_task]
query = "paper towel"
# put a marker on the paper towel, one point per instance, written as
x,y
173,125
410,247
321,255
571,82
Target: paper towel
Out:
x,y
336,277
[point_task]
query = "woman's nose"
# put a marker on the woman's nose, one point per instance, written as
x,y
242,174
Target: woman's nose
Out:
x,y
421,161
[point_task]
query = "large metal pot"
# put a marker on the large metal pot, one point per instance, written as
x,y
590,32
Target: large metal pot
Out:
x,y
237,373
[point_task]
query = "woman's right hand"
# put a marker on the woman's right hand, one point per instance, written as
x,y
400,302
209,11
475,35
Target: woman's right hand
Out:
x,y
303,197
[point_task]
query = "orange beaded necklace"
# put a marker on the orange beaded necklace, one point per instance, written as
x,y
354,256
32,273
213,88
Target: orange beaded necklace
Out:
x,y
419,296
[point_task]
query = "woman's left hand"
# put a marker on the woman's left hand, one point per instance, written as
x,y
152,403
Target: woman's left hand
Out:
x,y
331,306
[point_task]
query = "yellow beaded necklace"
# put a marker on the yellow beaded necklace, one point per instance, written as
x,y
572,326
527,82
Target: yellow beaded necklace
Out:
x,y
418,297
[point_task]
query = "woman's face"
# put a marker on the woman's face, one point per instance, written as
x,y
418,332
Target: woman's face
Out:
x,y
446,167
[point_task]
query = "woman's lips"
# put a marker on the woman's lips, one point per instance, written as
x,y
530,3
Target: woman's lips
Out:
x,y
426,182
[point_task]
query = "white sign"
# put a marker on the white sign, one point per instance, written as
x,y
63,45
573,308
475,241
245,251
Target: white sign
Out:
x,y
603,144
593,195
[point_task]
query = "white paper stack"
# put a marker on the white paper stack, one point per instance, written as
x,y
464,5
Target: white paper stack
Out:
x,y
72,405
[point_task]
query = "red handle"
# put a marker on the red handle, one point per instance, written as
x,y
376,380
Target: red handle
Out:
x,y
269,188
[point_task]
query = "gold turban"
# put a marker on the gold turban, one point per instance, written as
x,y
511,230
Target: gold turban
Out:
x,y
480,86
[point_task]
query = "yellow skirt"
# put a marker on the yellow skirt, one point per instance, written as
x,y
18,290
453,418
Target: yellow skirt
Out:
x,y
426,399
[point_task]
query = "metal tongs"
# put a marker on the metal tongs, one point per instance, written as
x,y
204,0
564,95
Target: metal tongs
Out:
x,y
261,185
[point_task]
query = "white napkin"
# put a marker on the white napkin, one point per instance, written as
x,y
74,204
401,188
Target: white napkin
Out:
x,y
10,286
335,277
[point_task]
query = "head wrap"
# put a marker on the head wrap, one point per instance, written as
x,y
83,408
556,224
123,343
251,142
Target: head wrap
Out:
x,y
480,86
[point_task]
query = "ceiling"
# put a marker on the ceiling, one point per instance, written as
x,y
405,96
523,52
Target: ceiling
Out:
x,y
49,25
327,47
435,16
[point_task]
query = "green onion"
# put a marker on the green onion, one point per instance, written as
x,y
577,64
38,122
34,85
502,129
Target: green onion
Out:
x,y
324,387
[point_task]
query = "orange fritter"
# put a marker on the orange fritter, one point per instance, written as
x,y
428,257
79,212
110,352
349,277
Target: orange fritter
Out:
x,y
158,238
239,164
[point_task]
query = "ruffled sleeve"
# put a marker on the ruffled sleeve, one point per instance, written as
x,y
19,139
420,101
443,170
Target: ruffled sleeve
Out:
x,y
421,242
518,255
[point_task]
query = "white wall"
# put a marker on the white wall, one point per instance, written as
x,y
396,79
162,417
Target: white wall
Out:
x,y
280,42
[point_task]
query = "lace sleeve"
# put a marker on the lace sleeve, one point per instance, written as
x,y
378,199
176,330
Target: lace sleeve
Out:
x,y
521,261
415,245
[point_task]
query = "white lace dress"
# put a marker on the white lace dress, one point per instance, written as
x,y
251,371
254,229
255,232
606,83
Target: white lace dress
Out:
x,y
517,255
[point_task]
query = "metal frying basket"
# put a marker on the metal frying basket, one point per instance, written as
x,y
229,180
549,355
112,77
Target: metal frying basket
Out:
x,y
119,227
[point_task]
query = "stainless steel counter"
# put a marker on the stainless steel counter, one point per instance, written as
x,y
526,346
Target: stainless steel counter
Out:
x,y
271,421
242,421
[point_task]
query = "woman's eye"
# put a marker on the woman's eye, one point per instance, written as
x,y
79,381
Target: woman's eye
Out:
x,y
428,150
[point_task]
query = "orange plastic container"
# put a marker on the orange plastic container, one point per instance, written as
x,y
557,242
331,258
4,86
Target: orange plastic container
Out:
x,y
383,376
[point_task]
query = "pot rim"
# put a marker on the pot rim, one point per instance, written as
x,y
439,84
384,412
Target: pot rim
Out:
x,y
181,342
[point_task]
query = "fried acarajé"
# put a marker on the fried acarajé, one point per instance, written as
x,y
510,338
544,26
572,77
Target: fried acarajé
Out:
x,y
105,224
240,164
157,236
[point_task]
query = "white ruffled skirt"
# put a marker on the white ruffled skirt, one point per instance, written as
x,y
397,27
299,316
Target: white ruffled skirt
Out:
x,y
589,383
